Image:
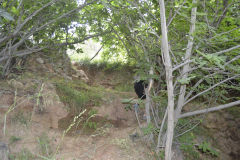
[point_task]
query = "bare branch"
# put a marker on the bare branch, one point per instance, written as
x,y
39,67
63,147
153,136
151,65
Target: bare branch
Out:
x,y
227,50
234,59
22,53
182,64
97,53
209,109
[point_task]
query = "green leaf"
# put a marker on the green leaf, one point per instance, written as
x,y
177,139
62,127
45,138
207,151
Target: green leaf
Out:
x,y
6,15
185,80
14,11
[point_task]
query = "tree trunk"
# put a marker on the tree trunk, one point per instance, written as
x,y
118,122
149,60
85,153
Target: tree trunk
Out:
x,y
169,80
186,67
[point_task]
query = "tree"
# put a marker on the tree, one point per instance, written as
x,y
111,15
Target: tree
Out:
x,y
39,25
200,62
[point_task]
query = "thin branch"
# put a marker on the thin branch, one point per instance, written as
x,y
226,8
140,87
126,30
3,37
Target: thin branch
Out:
x,y
22,53
65,14
210,88
188,54
19,27
227,50
182,64
225,32
97,53
209,109
177,11
201,80
224,13
161,130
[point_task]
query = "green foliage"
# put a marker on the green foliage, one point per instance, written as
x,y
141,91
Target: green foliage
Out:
x,y
213,60
206,148
91,125
5,15
125,87
149,129
104,65
14,139
23,155
77,96
187,145
186,80
88,123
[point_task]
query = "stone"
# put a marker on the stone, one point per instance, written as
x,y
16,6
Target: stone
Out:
x,y
81,74
40,60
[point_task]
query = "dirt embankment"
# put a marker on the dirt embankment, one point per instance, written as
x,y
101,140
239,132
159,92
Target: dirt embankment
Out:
x,y
38,117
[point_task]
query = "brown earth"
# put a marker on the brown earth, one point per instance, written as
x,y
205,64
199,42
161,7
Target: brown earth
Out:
x,y
35,123
38,125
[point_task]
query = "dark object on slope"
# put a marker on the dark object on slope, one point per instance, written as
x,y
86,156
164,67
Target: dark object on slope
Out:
x,y
139,89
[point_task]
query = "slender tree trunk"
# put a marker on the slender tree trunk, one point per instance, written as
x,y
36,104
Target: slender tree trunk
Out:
x,y
148,98
169,79
186,67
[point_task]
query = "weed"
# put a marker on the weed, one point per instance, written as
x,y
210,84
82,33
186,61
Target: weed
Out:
x,y
21,118
206,148
162,154
75,120
123,143
92,112
187,146
23,155
14,139
149,129
44,144
77,95
91,124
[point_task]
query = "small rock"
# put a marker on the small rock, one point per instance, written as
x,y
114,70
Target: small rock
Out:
x,y
40,60
4,151
81,74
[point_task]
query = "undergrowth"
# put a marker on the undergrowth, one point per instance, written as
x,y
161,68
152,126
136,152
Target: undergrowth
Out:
x,y
193,148
77,96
